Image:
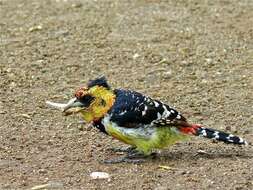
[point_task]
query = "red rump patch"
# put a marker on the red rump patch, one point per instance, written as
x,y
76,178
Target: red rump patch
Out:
x,y
190,129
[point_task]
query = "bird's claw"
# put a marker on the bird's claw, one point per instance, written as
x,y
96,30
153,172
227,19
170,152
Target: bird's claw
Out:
x,y
134,158
135,155
124,159
127,149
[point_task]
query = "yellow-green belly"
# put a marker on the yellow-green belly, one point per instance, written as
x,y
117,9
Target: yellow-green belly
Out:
x,y
145,139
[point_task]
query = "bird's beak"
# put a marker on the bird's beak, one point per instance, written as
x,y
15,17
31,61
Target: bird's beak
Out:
x,y
73,106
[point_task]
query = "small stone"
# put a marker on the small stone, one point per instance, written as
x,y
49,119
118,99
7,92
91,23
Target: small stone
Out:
x,y
35,28
40,61
24,115
2,112
136,55
204,81
185,172
201,152
209,60
76,5
184,62
13,85
167,75
99,175
228,128
42,171
164,167
163,61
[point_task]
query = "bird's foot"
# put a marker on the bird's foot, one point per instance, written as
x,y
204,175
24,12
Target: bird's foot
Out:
x,y
134,158
130,149
123,159
137,155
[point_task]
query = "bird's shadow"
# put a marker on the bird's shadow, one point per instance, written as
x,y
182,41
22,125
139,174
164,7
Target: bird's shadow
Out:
x,y
175,155
200,152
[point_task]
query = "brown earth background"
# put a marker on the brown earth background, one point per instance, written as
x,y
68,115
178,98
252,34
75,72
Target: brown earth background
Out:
x,y
195,55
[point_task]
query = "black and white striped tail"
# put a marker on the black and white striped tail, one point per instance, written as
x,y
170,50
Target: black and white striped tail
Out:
x,y
219,135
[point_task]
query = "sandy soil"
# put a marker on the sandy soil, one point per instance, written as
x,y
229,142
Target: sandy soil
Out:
x,y
196,55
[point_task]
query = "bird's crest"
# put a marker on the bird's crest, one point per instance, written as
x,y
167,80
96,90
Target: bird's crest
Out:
x,y
101,81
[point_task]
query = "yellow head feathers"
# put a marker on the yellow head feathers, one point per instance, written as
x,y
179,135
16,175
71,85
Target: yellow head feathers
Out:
x,y
100,99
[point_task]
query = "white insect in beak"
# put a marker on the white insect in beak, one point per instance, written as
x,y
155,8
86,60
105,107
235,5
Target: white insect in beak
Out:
x,y
60,106
73,106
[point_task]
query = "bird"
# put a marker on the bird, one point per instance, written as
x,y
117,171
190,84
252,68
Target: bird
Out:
x,y
144,123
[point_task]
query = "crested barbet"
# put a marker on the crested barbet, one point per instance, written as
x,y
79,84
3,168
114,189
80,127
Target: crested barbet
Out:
x,y
135,119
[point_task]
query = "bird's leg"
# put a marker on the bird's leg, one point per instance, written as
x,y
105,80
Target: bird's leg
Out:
x,y
135,158
140,155
123,159
130,149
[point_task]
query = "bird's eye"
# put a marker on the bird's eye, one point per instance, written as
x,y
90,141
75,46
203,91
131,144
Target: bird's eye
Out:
x,y
103,102
86,100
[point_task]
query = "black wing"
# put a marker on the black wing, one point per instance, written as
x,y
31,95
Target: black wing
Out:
x,y
132,109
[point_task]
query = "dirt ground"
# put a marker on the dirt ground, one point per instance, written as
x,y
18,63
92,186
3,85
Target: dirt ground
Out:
x,y
196,55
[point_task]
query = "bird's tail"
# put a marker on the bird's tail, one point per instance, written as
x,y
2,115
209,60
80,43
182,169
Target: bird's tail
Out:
x,y
198,130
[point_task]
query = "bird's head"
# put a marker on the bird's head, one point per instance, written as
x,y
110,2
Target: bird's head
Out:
x,y
92,101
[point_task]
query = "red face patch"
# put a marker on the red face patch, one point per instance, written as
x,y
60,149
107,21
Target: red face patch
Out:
x,y
81,92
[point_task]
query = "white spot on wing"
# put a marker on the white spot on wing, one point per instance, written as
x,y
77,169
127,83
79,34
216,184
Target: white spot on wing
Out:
x,y
156,104
164,107
144,111
216,135
166,113
243,141
122,113
230,136
158,115
168,121
203,133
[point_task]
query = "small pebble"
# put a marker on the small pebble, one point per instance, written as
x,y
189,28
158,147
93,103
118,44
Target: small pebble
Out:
x,y
35,28
136,55
209,60
24,115
201,152
99,175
